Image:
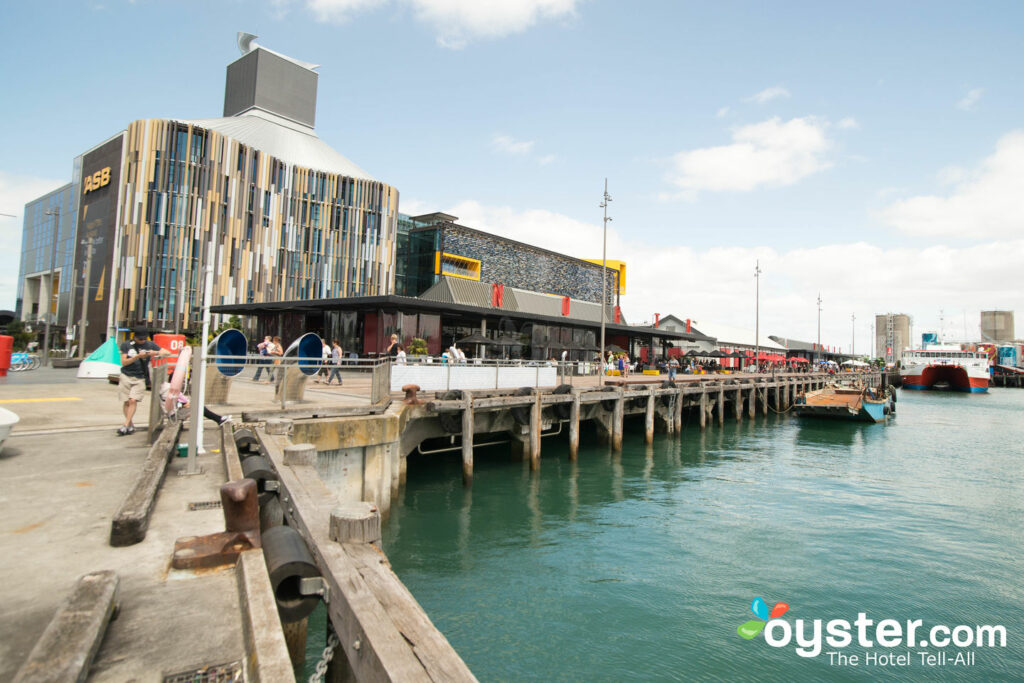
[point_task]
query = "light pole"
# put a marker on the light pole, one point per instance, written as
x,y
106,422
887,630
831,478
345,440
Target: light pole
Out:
x,y
853,332
604,273
49,290
757,312
819,323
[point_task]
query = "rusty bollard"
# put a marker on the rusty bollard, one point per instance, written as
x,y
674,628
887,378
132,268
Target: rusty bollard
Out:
x,y
410,394
242,531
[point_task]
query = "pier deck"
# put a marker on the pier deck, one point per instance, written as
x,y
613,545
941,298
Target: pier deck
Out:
x,y
58,492
63,476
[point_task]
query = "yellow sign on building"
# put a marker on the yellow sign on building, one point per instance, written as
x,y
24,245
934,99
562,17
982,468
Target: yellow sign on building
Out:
x,y
616,265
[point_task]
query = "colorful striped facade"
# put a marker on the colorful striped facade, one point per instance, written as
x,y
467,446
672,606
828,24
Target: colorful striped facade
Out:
x,y
281,231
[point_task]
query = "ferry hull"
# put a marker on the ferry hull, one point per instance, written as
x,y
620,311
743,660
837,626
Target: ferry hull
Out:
x,y
941,377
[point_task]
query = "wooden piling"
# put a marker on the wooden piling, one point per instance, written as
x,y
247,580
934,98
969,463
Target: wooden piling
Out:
x,y
535,427
752,403
677,412
617,417
574,427
467,439
738,408
295,639
703,409
721,407
649,418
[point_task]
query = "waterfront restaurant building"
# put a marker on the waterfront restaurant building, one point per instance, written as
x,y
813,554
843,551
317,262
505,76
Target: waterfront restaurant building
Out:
x,y
518,323
278,213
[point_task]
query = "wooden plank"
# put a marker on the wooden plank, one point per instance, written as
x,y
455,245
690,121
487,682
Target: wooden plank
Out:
x,y
68,645
265,647
430,646
371,641
307,412
132,519
229,450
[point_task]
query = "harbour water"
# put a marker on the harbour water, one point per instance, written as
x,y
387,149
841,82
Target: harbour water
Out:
x,y
641,565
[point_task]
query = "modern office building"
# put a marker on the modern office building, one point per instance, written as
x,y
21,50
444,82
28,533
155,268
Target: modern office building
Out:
x,y
892,336
45,274
997,327
273,209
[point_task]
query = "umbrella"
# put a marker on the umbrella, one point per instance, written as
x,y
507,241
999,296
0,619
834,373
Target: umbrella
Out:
x,y
507,340
614,348
475,338
691,353
737,354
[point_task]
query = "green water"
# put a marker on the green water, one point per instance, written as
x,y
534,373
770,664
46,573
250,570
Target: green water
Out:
x,y
641,565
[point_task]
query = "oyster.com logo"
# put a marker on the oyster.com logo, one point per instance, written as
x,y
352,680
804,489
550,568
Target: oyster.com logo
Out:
x,y
760,609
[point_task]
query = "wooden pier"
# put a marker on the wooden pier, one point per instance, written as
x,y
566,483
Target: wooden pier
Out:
x,y
304,492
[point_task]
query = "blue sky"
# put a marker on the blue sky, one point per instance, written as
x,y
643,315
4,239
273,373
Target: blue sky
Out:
x,y
873,151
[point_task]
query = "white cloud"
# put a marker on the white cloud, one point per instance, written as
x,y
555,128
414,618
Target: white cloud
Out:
x,y
340,11
509,145
767,95
985,202
717,284
772,153
456,22
547,159
848,123
722,112
967,102
15,191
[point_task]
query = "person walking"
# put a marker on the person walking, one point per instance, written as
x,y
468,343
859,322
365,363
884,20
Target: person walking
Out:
x,y
275,353
325,361
392,349
673,368
264,350
131,386
336,354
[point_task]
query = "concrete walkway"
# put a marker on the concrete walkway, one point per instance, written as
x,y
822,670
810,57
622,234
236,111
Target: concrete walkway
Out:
x,y
63,475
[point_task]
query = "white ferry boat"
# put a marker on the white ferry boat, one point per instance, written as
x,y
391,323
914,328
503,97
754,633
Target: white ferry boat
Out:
x,y
945,367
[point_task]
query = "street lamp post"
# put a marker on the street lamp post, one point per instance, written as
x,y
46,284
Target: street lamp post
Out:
x,y
49,291
604,274
853,332
819,323
757,312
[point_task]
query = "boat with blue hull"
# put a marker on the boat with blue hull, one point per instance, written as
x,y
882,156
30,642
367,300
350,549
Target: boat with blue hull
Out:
x,y
868,404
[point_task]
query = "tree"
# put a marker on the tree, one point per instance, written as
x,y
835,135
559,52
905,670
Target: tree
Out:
x,y
22,337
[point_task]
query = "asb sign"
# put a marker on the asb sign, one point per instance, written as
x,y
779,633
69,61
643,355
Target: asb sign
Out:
x,y
97,180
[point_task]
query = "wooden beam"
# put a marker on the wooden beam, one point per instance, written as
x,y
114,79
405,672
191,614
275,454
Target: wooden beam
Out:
x,y
373,628
72,638
132,519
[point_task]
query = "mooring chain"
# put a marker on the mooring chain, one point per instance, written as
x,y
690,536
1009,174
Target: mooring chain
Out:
x,y
325,658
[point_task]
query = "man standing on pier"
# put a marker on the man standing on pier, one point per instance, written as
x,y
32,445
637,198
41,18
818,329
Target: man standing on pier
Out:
x,y
131,388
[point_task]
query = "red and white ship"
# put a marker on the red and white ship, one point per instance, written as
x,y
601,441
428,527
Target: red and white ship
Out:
x,y
945,367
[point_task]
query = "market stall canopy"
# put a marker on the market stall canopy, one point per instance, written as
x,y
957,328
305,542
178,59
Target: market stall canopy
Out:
x,y
614,348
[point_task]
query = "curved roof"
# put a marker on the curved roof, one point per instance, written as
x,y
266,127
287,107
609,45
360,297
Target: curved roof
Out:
x,y
284,139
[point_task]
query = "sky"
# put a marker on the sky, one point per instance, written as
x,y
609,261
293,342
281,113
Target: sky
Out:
x,y
870,152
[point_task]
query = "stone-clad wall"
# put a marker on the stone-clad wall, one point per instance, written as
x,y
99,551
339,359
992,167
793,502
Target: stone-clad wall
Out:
x,y
520,265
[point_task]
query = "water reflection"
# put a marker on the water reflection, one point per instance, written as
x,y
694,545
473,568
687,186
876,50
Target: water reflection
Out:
x,y
641,564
